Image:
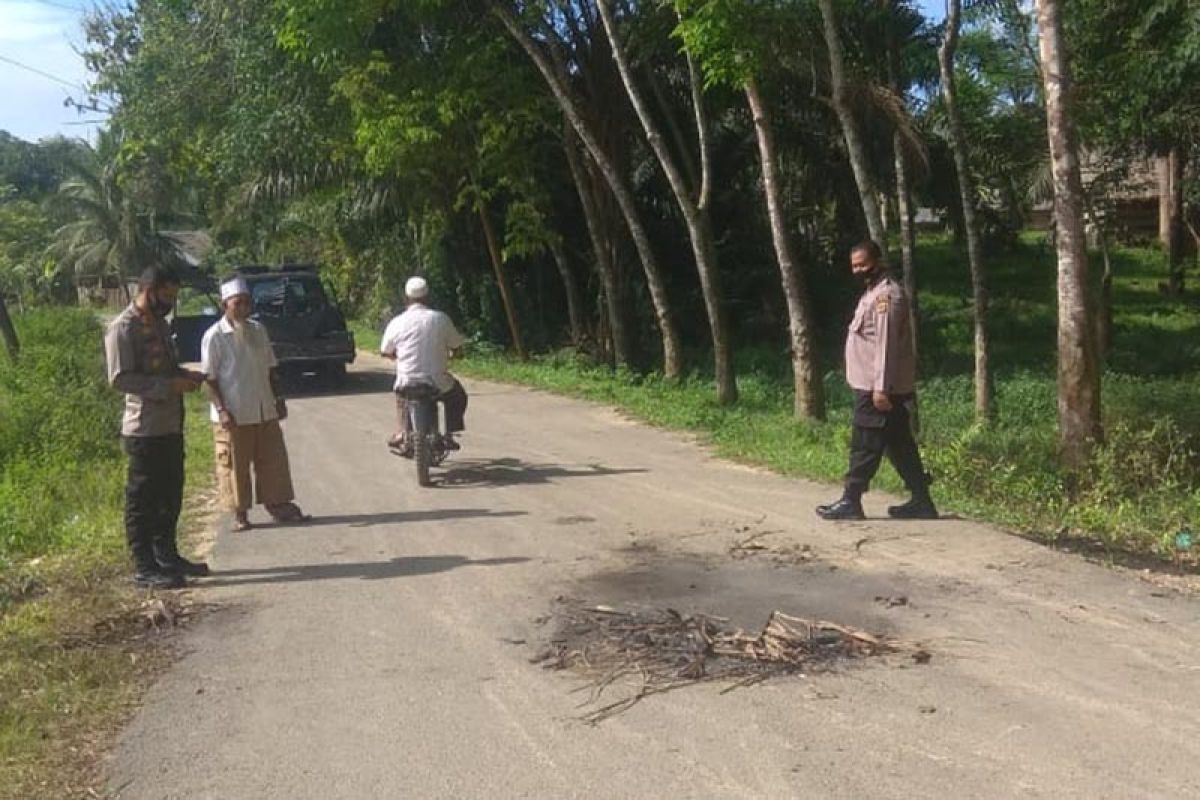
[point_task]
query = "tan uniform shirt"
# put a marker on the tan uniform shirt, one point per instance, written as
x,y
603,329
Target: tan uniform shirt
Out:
x,y
879,344
141,362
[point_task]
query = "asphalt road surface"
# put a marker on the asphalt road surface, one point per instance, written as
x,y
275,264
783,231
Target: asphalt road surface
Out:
x,y
383,650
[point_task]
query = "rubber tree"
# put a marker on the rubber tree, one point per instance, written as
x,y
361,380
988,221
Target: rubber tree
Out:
x,y
1078,370
602,252
731,43
856,148
558,80
904,205
693,205
957,140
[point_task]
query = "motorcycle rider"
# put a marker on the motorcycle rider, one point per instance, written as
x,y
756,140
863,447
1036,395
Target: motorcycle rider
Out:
x,y
421,341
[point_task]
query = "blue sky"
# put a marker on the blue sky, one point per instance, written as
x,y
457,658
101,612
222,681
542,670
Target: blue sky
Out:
x,y
42,35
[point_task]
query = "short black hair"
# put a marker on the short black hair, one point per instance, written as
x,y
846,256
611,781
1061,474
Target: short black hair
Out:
x,y
156,277
870,247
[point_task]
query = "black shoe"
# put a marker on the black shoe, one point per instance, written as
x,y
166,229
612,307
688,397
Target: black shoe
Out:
x,y
842,509
179,564
449,443
158,579
916,508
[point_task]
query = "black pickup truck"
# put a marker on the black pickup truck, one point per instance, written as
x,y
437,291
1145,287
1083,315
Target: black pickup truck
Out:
x,y
307,331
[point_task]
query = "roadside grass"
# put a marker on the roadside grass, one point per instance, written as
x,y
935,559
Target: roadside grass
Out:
x,y
1141,487
73,650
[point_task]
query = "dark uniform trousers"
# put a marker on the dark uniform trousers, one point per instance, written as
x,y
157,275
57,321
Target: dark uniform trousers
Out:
x,y
153,497
876,432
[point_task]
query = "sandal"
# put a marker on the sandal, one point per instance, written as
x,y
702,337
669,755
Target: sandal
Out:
x,y
288,513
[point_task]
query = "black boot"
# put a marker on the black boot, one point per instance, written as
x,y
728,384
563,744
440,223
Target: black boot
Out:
x,y
845,508
195,569
919,507
158,579
166,556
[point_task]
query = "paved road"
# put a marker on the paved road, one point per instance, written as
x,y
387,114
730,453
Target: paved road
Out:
x,y
383,651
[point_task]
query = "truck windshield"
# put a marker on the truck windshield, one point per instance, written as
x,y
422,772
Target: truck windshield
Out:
x,y
277,295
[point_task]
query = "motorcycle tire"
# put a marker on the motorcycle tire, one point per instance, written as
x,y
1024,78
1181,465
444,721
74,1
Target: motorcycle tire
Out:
x,y
423,458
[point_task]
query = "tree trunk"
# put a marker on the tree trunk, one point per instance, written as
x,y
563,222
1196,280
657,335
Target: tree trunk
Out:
x,y
1175,238
809,397
1104,334
699,225
908,237
8,332
1078,372
615,309
855,147
672,349
1162,168
510,312
571,289
966,190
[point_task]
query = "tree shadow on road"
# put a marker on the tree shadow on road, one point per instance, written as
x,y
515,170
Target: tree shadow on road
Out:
x,y
514,471
403,567
392,518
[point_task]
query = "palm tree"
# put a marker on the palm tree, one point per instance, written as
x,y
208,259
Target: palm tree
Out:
x,y
110,235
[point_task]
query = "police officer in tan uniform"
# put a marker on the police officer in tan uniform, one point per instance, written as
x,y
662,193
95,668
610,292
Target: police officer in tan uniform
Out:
x,y
881,369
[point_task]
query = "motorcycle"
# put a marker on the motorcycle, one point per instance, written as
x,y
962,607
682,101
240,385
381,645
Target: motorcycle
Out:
x,y
426,445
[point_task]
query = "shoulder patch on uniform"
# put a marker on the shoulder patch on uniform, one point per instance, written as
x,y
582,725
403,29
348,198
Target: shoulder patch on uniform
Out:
x,y
881,304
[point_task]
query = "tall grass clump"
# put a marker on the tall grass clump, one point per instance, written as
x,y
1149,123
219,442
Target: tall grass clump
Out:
x,y
60,476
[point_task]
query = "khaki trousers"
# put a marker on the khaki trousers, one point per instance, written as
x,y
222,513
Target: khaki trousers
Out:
x,y
259,447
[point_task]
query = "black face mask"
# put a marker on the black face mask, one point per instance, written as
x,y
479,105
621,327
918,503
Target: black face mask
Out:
x,y
158,307
867,278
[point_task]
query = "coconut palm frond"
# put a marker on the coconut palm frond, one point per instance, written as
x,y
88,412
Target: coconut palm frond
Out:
x,y
871,99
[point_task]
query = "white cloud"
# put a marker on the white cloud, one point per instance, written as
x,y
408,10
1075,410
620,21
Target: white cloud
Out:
x,y
41,37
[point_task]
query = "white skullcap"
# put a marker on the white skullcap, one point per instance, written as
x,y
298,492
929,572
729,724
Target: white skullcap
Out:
x,y
416,288
234,286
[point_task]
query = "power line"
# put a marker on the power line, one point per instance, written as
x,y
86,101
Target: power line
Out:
x,y
37,71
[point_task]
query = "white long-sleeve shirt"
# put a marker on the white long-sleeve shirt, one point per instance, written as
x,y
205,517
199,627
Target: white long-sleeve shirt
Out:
x,y
239,360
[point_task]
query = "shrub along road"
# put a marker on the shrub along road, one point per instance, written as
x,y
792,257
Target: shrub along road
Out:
x,y
384,650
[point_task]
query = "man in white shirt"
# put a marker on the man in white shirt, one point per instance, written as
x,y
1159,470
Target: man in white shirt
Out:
x,y
239,366
420,341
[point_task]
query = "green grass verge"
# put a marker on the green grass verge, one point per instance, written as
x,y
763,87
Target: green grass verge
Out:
x,y
1141,487
71,661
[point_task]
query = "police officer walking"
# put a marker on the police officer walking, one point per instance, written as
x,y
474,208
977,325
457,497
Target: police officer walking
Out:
x,y
881,369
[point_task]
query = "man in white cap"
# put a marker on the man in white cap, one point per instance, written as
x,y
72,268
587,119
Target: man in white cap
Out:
x,y
421,340
239,366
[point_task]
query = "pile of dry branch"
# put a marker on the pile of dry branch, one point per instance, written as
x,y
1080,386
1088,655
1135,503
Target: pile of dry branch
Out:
x,y
658,651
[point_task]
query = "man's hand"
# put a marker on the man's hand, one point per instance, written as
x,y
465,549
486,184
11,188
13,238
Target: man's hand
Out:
x,y
226,419
881,401
184,385
389,356
281,408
